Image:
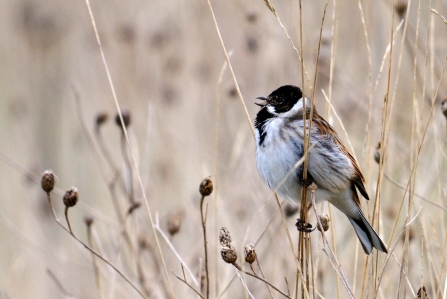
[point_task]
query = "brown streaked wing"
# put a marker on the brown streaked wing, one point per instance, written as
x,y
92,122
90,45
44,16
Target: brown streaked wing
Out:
x,y
326,129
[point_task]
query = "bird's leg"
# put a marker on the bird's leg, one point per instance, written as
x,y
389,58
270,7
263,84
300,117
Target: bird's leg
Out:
x,y
304,182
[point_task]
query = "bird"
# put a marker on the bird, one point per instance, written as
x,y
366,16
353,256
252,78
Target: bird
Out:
x,y
279,132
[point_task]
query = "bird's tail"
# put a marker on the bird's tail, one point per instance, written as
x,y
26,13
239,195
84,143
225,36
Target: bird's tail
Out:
x,y
366,234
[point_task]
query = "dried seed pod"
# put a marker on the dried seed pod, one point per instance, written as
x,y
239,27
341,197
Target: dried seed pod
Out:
x,y
126,118
143,242
324,219
206,187
290,209
174,223
401,8
71,197
313,187
224,236
228,253
47,181
88,220
444,107
250,253
134,206
377,153
101,118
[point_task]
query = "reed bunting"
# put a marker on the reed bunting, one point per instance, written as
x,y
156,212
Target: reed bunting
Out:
x,y
279,145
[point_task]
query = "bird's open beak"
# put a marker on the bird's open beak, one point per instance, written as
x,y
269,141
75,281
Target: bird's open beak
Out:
x,y
262,99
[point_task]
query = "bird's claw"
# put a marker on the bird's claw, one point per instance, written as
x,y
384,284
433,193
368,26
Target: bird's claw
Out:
x,y
302,226
305,182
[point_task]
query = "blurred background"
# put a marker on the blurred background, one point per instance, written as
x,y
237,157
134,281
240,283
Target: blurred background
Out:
x,y
187,123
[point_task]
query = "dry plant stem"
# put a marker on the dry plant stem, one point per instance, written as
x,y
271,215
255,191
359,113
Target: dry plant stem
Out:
x,y
303,248
333,52
68,222
130,192
205,244
405,276
415,194
185,282
256,242
335,264
165,237
366,144
104,152
438,291
318,54
248,293
263,276
273,10
59,285
261,279
421,142
85,129
90,249
299,269
216,164
247,116
384,132
95,263
391,253
109,77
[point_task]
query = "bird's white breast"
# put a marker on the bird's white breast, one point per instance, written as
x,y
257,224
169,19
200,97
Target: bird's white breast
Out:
x,y
277,156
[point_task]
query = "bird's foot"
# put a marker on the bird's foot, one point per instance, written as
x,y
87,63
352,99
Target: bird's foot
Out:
x,y
305,182
303,226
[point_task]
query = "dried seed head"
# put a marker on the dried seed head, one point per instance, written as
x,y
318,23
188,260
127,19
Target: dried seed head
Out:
x,y
126,118
250,253
401,8
101,118
377,153
324,219
224,236
134,206
232,92
48,180
71,197
143,243
88,220
206,187
290,209
251,17
313,187
444,107
422,293
228,253
174,223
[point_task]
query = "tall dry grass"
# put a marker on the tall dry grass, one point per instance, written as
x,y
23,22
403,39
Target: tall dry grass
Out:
x,y
167,68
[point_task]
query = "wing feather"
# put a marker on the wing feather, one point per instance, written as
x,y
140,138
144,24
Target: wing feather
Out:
x,y
327,131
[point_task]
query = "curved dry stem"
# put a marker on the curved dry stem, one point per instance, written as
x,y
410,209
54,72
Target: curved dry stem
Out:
x,y
334,262
115,99
227,58
91,249
95,263
185,282
205,244
68,221
261,279
177,255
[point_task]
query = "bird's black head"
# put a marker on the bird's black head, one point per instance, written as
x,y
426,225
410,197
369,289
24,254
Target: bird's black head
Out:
x,y
282,99
279,101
